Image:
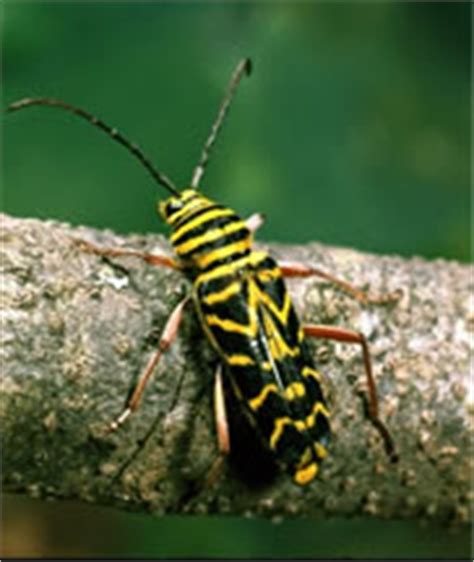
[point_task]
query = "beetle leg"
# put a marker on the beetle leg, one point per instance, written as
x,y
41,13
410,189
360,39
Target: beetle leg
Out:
x,y
169,335
351,336
154,259
222,429
220,414
255,221
296,269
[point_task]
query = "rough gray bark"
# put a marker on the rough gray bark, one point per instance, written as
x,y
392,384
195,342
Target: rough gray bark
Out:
x,y
77,331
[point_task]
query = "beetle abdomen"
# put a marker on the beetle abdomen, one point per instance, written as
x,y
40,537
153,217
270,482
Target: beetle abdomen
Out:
x,y
249,317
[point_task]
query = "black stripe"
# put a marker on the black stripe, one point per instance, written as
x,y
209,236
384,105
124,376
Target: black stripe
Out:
x,y
187,217
235,306
250,380
291,445
321,431
274,407
215,285
225,261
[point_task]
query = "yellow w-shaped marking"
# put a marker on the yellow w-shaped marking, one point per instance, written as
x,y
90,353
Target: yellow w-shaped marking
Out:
x,y
301,425
256,297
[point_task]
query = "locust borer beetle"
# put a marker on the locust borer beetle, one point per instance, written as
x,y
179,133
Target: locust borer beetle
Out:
x,y
246,313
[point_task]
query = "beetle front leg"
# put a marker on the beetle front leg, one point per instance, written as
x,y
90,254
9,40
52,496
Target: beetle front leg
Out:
x,y
351,336
168,337
153,259
296,269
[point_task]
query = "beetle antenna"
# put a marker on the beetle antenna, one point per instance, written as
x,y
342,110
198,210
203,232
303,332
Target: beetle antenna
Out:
x,y
109,131
244,67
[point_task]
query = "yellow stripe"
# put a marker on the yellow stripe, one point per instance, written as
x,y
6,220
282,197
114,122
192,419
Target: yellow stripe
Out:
x,y
294,390
227,269
230,325
240,360
209,236
306,474
300,425
318,408
188,194
321,451
291,392
256,402
306,457
309,372
267,275
193,203
280,424
198,221
221,253
282,314
277,345
300,334
221,296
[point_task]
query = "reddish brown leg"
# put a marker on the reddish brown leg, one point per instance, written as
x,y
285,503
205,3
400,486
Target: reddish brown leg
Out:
x,y
220,414
154,259
169,335
212,474
295,269
350,336
222,429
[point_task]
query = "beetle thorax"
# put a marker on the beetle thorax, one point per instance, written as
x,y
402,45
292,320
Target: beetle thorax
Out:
x,y
205,234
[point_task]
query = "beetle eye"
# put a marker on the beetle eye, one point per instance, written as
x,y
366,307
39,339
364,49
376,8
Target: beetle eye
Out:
x,y
169,207
173,206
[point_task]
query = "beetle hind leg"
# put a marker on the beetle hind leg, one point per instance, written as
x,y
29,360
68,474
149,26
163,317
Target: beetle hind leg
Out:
x,y
351,336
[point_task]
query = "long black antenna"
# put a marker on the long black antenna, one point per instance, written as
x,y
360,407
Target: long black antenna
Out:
x,y
244,67
109,131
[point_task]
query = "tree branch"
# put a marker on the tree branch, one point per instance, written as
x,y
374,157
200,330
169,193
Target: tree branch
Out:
x,y
78,330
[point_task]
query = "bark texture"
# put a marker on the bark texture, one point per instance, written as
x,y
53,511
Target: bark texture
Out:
x,y
78,329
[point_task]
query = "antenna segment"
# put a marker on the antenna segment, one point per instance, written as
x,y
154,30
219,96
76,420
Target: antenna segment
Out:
x,y
109,131
244,67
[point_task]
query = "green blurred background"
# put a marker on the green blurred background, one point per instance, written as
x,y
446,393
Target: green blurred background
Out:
x,y
354,129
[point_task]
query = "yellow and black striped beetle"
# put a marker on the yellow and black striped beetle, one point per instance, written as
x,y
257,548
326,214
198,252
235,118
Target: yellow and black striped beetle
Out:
x,y
246,313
